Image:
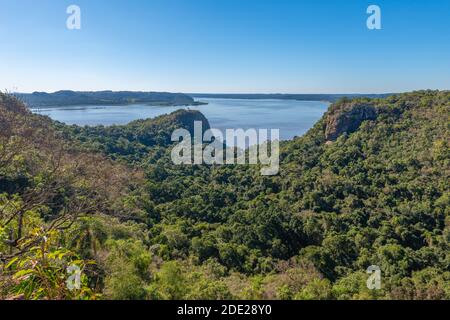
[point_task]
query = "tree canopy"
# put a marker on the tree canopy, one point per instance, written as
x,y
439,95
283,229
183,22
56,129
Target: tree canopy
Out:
x,y
367,185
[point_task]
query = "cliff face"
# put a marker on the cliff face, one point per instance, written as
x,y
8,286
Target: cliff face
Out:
x,y
346,118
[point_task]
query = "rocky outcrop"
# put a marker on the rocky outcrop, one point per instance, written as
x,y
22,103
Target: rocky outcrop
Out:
x,y
347,117
158,131
187,118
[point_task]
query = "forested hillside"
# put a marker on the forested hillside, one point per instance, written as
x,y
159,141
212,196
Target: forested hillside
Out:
x,y
367,185
74,98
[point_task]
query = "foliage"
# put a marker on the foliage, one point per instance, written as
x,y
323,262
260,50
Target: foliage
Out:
x,y
376,195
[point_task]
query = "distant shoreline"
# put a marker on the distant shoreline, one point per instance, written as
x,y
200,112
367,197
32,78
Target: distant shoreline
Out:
x,y
156,104
65,98
287,96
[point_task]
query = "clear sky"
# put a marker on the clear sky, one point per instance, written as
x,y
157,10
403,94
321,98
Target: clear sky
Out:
x,y
219,46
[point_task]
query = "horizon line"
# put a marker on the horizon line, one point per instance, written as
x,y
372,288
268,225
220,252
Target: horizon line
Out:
x,y
223,93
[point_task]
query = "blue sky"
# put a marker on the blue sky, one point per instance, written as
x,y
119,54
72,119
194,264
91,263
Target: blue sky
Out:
x,y
243,46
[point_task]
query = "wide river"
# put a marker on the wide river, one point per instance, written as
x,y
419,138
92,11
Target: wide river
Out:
x,y
292,118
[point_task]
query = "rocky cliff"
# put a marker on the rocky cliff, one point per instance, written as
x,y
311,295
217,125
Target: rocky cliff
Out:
x,y
346,117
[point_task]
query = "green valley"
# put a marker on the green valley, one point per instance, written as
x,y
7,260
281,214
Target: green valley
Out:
x,y
367,185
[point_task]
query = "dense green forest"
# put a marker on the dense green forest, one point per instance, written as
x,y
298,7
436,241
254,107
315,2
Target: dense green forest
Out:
x,y
367,185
